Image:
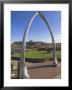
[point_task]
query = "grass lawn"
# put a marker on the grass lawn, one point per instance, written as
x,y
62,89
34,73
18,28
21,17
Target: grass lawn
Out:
x,y
34,54
41,54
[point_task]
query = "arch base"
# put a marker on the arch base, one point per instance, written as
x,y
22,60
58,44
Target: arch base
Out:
x,y
55,62
25,74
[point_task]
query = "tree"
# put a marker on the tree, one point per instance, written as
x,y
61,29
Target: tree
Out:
x,y
31,42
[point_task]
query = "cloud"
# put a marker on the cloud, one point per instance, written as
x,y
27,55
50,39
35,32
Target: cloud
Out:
x,y
57,38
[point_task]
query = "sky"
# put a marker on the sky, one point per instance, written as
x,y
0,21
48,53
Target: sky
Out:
x,y
38,30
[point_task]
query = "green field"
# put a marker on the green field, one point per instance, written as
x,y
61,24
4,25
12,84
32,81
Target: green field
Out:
x,y
34,54
41,54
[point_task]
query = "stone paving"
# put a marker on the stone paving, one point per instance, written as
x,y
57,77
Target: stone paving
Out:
x,y
42,71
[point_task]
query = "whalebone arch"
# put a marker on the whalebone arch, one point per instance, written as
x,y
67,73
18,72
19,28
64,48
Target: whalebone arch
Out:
x,y
23,68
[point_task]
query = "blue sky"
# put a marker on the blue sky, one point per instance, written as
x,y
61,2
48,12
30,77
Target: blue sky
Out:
x,y
38,30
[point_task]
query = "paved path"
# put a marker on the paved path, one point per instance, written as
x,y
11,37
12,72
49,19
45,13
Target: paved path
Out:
x,y
57,77
43,71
